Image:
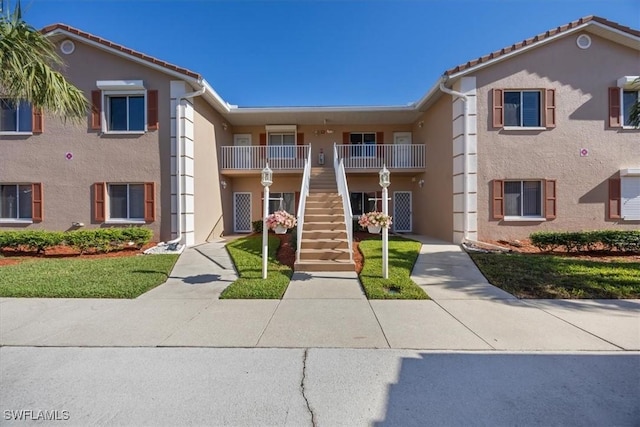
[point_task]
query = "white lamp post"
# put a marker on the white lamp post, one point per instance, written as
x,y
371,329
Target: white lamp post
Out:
x,y
266,180
385,181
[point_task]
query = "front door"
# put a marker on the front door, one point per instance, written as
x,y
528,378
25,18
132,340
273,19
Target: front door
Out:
x,y
242,212
402,215
242,152
402,149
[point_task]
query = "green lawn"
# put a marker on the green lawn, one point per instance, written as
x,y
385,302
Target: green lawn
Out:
x,y
117,277
246,254
547,276
402,255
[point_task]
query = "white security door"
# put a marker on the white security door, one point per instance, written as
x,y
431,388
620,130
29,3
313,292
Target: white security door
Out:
x,y
242,212
402,215
242,154
402,149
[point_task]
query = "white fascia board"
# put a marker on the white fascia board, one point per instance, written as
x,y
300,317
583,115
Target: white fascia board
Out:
x,y
249,110
630,172
215,99
435,90
615,30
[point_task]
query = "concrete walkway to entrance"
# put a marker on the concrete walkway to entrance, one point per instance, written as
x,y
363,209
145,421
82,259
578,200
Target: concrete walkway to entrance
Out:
x,y
326,310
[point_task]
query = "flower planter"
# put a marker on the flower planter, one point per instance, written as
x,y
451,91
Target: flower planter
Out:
x,y
280,229
374,229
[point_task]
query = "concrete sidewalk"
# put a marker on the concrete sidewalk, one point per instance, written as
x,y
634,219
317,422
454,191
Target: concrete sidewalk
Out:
x,y
326,310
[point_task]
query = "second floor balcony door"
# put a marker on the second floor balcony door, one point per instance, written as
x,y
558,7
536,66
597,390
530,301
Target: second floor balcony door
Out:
x,y
242,158
401,149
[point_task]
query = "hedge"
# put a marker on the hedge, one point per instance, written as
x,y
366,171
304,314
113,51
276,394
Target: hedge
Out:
x,y
581,241
99,240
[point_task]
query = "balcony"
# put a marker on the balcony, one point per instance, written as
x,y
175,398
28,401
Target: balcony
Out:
x,y
252,159
405,157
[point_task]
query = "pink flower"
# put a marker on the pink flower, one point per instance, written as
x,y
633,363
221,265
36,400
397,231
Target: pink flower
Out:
x,y
375,219
281,218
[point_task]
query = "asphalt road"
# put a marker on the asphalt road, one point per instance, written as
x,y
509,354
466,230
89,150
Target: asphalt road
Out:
x,y
324,387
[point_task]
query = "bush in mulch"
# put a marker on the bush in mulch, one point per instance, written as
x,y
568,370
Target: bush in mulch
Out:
x,y
588,241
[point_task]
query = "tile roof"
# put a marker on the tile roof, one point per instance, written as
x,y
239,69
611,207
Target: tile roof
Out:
x,y
123,49
539,38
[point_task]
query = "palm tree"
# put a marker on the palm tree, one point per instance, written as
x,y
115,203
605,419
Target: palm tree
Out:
x,y
634,117
29,68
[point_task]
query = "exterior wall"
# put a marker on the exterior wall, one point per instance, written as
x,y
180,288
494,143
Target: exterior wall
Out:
x,y
433,202
208,191
67,184
581,79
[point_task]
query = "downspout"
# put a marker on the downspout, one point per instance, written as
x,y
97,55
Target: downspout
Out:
x,y
179,100
465,170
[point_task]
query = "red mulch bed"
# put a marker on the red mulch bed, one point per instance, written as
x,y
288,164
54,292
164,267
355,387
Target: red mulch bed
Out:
x,y
12,256
524,246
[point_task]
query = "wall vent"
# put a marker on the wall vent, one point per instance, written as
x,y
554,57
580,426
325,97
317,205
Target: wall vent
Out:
x,y
583,41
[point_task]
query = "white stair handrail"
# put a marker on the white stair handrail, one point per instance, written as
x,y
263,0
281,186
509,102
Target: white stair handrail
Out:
x,y
304,192
343,190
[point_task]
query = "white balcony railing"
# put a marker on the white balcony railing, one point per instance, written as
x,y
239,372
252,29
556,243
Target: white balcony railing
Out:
x,y
255,157
394,156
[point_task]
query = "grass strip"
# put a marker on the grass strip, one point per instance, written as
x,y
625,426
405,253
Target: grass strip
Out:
x,y
402,256
114,277
246,254
547,276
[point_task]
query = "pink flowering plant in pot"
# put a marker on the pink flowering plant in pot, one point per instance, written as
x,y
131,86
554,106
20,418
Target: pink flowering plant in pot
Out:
x,y
375,219
282,219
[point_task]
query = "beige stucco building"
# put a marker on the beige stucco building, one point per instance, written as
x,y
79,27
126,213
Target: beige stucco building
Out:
x,y
531,137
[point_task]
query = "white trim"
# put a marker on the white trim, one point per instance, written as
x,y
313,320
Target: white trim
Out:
x,y
120,85
125,221
524,218
10,133
584,37
67,47
281,128
15,221
106,109
630,172
523,128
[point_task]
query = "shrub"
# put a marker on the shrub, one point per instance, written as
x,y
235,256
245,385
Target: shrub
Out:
x,y
620,240
101,240
257,226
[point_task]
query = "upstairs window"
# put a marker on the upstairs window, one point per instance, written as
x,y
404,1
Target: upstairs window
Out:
x,y
622,98
364,143
524,109
629,98
282,145
124,106
19,117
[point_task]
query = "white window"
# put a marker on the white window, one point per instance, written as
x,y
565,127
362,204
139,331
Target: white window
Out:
x,y
282,202
15,201
15,116
125,112
523,199
282,145
629,98
630,200
522,108
126,202
124,106
363,144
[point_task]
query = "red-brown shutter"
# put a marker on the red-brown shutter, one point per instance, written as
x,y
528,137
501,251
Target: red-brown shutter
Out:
x,y
96,109
346,138
379,137
99,201
149,201
550,199
37,125
550,108
614,199
36,202
498,199
379,148
296,201
614,107
152,110
300,141
498,108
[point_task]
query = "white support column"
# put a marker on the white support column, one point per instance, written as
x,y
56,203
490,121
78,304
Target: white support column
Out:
x,y
187,135
466,85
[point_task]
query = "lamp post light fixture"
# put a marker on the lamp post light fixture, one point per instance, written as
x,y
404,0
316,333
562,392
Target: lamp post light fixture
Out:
x,y
266,180
385,181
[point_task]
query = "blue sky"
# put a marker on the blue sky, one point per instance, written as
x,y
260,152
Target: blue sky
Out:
x,y
330,52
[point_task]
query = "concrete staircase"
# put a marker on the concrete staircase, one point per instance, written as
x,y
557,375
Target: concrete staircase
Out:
x,y
324,245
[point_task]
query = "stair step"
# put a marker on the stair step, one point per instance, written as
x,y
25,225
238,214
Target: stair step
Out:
x,y
324,235
323,217
337,265
324,226
323,254
321,244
